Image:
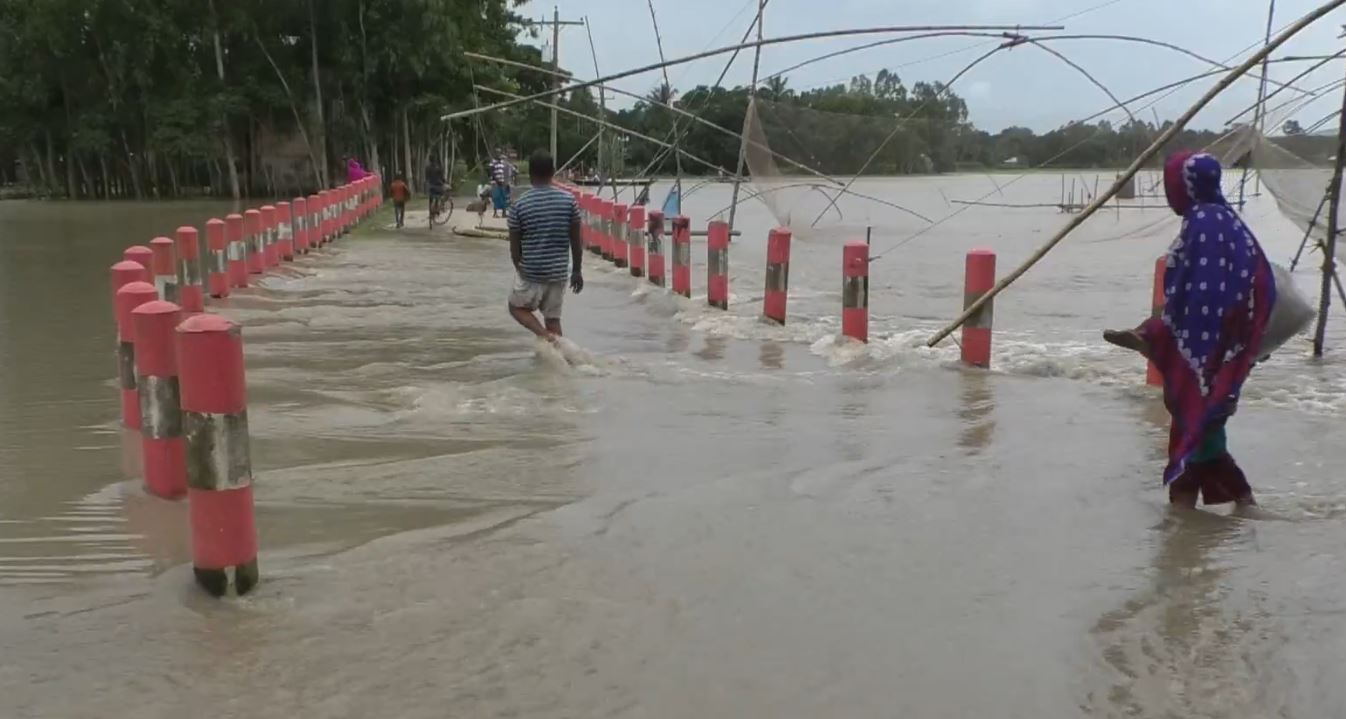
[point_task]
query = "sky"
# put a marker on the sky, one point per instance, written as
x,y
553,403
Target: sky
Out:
x,y
1025,86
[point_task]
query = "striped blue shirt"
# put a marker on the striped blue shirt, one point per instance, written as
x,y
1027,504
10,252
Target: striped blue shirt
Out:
x,y
542,216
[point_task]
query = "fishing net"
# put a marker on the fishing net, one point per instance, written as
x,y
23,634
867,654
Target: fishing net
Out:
x,y
800,162
1294,167
1298,183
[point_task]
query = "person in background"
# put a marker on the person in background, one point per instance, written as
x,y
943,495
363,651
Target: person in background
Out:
x,y
354,170
434,181
1218,295
544,244
401,193
499,190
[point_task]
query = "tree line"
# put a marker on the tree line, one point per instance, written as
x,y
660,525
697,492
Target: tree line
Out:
x,y
880,121
171,98
168,98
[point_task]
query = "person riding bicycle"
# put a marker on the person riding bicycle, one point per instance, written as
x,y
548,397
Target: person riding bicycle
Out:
x,y
434,183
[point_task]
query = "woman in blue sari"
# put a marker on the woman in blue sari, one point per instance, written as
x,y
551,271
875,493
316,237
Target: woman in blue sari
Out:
x,y
1218,293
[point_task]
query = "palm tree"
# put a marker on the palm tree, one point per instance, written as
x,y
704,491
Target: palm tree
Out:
x,y
663,94
775,87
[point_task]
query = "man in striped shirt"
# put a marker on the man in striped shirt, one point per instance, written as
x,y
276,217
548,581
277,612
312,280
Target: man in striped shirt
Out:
x,y
544,243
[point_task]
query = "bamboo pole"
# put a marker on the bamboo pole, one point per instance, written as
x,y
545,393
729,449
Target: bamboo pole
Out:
x,y
1330,243
742,137
943,29
668,85
1260,119
612,126
1309,232
750,111
602,104
1136,164
1258,115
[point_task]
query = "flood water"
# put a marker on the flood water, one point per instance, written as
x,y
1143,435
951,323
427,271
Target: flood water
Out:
x,y
698,515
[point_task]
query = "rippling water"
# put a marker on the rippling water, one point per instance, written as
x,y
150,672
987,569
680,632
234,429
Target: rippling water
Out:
x,y
692,513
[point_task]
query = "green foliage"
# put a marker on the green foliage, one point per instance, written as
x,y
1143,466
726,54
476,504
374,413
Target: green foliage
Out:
x,y
876,120
124,97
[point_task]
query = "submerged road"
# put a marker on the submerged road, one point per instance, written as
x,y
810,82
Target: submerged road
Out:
x,y
690,514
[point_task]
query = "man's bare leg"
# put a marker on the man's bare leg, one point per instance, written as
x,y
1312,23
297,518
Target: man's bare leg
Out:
x,y
554,326
528,318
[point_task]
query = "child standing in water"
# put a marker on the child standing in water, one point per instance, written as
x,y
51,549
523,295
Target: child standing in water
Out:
x,y
401,193
1218,293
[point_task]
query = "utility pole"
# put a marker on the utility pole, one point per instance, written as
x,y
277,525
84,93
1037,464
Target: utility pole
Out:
x,y
555,22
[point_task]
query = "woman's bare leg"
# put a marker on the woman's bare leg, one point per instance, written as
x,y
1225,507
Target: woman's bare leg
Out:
x,y
1183,498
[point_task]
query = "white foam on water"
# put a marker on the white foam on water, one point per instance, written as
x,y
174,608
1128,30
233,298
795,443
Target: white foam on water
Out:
x,y
565,356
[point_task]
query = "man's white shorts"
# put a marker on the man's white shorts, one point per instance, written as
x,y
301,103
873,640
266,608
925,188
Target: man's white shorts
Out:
x,y
546,297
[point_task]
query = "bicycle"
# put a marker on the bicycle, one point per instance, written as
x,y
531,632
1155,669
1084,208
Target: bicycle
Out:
x,y
441,209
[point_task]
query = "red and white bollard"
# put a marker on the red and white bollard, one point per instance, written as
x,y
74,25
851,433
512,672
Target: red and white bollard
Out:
x,y
618,227
353,202
157,386
682,256
256,242
979,278
191,295
129,297
314,223
270,243
299,211
605,229
124,273
285,231
635,240
717,264
334,212
328,224
1157,298
586,239
142,255
217,267
596,225
777,275
654,250
237,250
348,208
164,265
338,228
317,205
219,464
855,291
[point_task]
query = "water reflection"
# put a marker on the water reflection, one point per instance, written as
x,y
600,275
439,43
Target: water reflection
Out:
x,y
679,339
1174,649
713,348
1154,414
856,408
132,453
772,355
977,402
158,528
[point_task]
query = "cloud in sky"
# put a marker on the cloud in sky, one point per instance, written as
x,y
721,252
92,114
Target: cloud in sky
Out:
x,y
1032,88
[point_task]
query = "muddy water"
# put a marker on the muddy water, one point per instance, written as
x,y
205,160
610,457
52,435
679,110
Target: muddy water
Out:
x,y
696,515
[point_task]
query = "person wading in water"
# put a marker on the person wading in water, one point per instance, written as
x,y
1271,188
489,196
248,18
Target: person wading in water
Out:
x,y
1218,295
544,243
